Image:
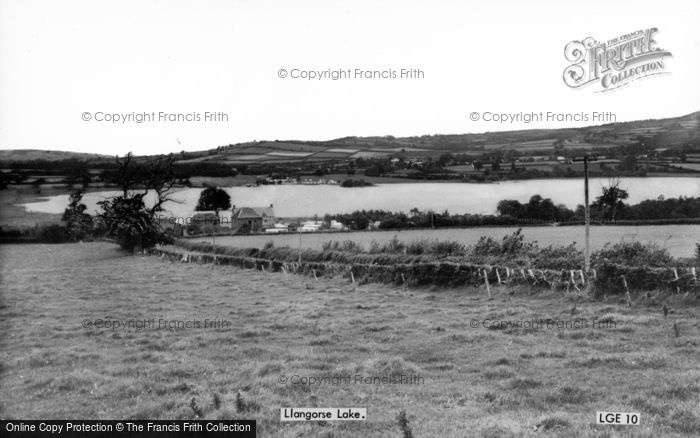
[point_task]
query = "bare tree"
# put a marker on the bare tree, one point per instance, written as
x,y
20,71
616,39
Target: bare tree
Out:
x,y
126,173
153,174
160,177
127,218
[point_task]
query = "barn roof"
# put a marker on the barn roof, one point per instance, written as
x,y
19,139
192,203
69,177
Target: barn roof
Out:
x,y
246,213
264,211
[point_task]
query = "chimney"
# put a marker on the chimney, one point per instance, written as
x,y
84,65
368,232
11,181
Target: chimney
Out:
x,y
270,205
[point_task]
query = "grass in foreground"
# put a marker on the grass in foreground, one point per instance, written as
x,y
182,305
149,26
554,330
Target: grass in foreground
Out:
x,y
476,381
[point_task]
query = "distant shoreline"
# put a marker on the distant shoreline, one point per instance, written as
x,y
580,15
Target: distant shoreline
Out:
x,y
373,180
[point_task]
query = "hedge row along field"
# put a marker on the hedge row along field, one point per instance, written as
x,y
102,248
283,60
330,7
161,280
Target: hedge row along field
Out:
x,y
609,276
512,250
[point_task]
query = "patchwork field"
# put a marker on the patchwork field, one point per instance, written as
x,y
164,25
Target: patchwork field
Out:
x,y
476,376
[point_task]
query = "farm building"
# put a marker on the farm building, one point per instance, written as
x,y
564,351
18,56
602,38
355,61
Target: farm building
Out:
x,y
206,218
278,228
252,219
310,226
245,219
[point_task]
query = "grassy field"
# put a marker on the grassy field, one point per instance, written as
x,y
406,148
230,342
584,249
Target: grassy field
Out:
x,y
475,381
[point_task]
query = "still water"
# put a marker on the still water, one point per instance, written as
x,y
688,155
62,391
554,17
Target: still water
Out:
x,y
309,200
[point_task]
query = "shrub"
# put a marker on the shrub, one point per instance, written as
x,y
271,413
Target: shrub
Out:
x,y
485,246
345,246
196,409
393,246
127,221
55,234
12,233
511,247
513,243
435,247
449,248
417,247
355,183
78,223
405,428
633,254
558,257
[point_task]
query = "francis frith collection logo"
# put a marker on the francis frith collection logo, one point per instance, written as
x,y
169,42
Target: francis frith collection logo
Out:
x,y
616,62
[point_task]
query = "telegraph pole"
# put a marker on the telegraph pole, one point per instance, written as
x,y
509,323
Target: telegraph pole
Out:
x,y
587,209
587,253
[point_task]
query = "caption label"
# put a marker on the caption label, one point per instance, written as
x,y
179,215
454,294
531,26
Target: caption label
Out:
x,y
618,418
128,428
323,414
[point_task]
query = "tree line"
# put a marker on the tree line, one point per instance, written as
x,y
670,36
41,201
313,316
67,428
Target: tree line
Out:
x,y
79,172
609,207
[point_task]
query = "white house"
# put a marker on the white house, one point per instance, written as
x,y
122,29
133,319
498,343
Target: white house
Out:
x,y
310,226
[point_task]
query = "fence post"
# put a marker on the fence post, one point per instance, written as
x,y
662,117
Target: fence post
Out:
x,y
532,275
486,280
627,291
300,246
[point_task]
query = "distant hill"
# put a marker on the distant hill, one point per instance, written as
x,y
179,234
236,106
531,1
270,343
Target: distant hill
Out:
x,y
671,132
38,154
659,133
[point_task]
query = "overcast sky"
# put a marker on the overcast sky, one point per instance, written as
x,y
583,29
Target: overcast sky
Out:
x,y
59,60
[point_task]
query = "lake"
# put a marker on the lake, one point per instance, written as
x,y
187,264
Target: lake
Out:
x,y
309,200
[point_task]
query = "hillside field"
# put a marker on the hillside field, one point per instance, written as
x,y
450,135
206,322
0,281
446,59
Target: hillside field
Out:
x,y
476,379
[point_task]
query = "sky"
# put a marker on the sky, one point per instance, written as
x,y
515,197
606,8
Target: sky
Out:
x,y
66,67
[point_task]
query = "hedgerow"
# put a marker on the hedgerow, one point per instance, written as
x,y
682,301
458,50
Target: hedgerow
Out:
x,y
512,250
643,266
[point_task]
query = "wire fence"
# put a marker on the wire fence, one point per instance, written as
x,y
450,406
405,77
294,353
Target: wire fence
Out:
x,y
607,278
